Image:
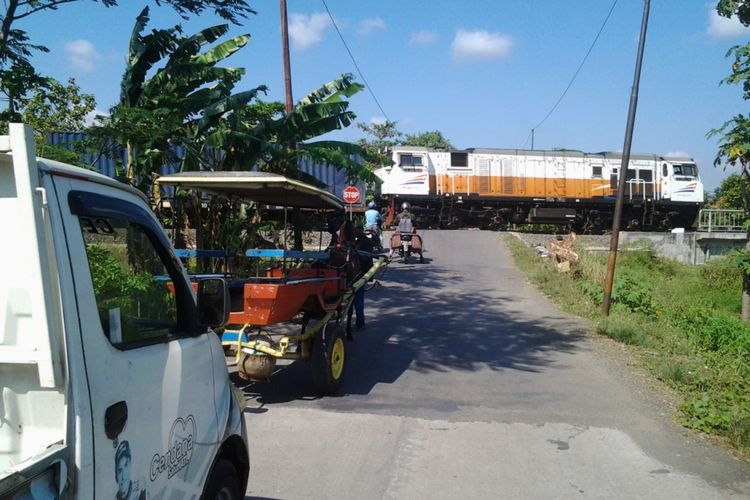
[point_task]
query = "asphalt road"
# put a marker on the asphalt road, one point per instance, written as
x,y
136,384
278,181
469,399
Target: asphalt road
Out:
x,y
467,383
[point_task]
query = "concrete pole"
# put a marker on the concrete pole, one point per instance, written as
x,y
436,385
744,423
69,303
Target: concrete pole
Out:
x,y
612,258
287,65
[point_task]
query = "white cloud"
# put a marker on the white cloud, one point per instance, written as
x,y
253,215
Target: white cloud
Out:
x,y
82,55
369,25
95,117
723,27
306,31
480,44
423,37
377,120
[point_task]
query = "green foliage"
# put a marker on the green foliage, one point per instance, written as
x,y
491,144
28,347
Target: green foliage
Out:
x,y
114,287
731,193
16,49
730,8
707,412
433,139
48,105
175,104
383,137
734,134
723,274
623,331
632,294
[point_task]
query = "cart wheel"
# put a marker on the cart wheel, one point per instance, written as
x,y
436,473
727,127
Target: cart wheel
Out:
x,y
329,359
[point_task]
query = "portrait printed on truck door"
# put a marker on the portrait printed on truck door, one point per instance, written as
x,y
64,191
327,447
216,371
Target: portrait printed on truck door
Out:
x,y
127,487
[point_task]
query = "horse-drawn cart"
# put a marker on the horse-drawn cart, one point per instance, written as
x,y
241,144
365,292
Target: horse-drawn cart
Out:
x,y
294,306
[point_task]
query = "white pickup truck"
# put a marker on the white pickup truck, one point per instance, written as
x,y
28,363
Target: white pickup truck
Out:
x,y
113,384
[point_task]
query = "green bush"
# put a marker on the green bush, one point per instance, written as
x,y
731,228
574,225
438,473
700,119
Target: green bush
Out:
x,y
708,412
632,295
722,274
622,330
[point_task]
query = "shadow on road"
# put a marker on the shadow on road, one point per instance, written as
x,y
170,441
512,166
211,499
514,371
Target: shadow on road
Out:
x,y
428,318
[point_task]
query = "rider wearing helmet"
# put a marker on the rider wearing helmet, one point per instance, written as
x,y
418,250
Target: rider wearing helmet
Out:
x,y
373,219
404,214
405,219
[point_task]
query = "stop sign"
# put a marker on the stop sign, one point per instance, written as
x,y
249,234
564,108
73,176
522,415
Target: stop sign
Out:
x,y
351,194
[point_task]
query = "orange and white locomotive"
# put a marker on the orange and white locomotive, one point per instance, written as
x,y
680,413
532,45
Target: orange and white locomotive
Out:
x,y
494,188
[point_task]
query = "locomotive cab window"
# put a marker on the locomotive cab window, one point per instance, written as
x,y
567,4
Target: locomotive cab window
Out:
x,y
596,172
686,169
664,170
410,161
460,160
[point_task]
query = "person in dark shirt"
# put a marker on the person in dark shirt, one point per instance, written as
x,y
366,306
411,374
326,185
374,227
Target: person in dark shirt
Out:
x,y
364,248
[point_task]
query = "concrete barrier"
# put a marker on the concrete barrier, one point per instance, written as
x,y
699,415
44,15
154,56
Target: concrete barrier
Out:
x,y
688,247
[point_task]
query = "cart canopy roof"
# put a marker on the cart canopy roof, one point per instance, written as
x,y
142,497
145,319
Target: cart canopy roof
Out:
x,y
261,187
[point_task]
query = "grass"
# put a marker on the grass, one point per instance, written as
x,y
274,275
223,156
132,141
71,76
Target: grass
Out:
x,y
683,321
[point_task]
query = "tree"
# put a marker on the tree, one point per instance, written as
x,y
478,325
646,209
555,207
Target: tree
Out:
x,y
433,139
173,104
16,70
731,193
50,106
17,10
275,141
734,134
385,136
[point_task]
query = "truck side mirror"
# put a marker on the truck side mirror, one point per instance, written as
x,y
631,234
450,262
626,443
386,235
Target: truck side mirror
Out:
x,y
213,302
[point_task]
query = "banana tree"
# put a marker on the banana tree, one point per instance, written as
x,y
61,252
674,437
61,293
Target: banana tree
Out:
x,y
275,141
157,112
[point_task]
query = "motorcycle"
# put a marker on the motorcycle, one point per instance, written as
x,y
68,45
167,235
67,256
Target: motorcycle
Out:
x,y
374,235
406,241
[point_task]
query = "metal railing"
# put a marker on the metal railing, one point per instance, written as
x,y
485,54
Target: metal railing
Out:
x,y
716,220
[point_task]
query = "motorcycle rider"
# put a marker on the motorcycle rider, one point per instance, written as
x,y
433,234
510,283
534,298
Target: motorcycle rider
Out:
x,y
403,216
373,221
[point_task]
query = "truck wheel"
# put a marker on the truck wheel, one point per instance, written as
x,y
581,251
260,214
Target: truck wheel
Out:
x,y
329,359
223,482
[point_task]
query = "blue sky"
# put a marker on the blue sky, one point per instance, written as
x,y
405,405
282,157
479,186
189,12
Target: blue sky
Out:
x,y
483,72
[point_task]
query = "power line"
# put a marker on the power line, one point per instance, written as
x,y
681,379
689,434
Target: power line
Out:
x,y
596,38
359,71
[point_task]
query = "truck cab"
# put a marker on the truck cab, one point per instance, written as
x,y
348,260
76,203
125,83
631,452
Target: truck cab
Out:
x,y
113,383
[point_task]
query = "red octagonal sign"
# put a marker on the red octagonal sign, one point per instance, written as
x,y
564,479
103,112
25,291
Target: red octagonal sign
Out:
x,y
351,194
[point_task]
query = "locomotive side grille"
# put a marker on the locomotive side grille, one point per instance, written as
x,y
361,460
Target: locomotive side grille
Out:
x,y
507,174
483,171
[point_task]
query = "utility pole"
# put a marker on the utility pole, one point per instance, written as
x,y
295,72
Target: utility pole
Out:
x,y
287,66
532,139
623,172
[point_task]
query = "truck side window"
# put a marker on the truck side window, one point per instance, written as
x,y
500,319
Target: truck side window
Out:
x,y
134,294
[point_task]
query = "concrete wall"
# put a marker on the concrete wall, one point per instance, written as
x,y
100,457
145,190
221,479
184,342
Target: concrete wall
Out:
x,y
688,248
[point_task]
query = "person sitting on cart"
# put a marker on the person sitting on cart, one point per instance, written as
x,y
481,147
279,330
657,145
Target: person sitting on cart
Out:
x,y
333,224
364,248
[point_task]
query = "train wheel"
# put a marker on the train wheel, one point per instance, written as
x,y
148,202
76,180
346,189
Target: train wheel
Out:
x,y
329,359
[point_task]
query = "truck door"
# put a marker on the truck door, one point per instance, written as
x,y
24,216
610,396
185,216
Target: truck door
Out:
x,y
148,368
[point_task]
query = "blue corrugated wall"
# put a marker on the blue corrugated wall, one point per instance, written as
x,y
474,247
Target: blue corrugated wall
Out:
x,y
333,178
